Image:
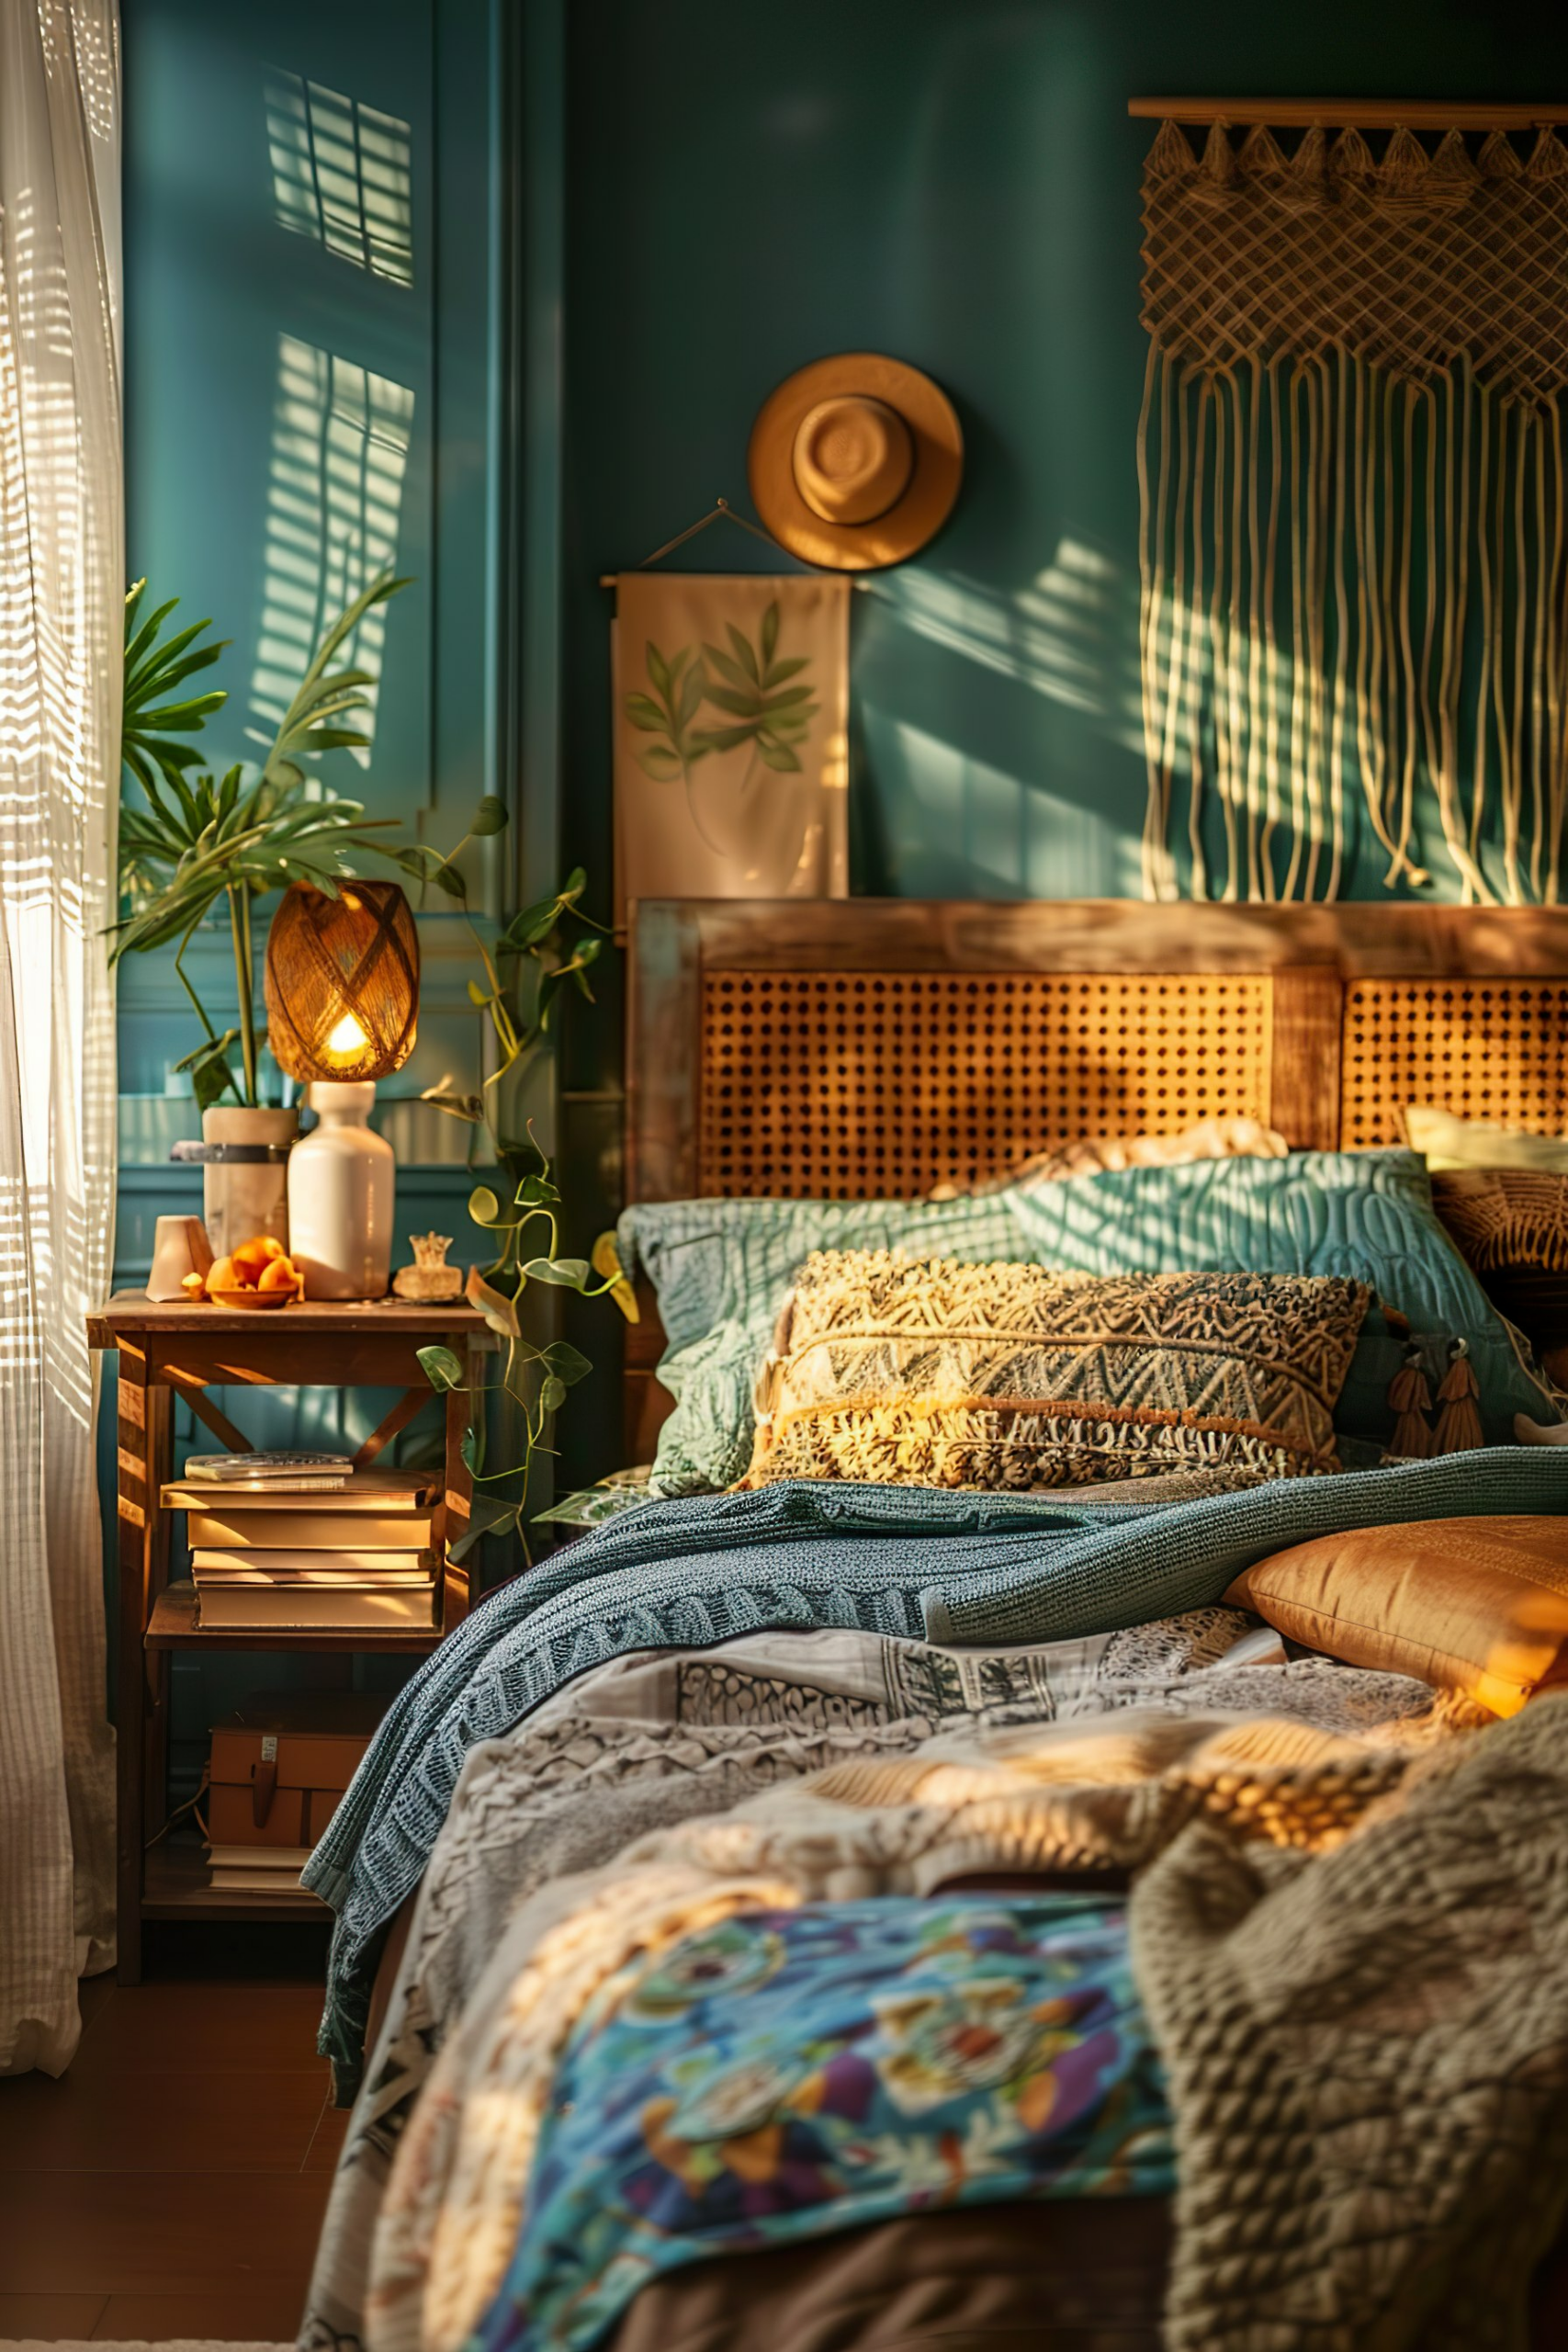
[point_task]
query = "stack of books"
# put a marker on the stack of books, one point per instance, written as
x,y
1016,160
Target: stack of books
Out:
x,y
289,1542
257,1869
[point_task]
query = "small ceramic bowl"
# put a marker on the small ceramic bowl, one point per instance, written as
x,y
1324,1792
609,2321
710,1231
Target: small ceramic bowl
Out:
x,y
253,1298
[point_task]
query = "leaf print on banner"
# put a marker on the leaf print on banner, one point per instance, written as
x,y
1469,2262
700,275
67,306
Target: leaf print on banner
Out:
x,y
678,688
763,708
731,744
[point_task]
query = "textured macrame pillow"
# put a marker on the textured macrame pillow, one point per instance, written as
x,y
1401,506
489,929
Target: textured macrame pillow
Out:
x,y
1511,1226
924,1371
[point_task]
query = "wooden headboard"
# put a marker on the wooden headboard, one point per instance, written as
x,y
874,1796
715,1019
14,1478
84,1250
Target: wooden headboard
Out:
x,y
875,1047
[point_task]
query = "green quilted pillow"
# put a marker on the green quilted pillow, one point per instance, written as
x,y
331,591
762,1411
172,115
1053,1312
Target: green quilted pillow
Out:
x,y
723,1270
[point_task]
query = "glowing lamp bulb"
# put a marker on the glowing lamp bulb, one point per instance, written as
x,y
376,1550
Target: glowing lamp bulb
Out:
x,y
347,1039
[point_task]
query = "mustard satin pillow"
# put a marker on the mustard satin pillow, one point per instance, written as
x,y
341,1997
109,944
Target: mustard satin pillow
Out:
x,y
1474,1605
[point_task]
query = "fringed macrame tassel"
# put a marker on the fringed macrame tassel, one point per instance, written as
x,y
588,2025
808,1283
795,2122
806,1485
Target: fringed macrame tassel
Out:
x,y
1412,1401
1171,156
1214,180
1459,1421
1353,487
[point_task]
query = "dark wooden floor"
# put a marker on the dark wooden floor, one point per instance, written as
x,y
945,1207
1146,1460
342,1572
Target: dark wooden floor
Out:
x,y
173,2182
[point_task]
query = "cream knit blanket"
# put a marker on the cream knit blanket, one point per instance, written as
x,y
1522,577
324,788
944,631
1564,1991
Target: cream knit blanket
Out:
x,y
1115,1790
1368,2061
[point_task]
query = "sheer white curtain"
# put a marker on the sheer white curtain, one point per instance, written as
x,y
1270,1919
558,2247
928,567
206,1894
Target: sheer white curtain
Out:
x,y
61,584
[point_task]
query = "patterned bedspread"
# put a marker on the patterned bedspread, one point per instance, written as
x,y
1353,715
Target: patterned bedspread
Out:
x,y
664,1738
791,2073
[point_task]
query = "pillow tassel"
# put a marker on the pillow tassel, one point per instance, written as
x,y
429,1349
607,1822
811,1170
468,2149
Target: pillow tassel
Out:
x,y
1458,1422
1411,1399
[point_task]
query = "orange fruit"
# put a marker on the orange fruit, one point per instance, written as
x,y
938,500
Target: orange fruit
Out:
x,y
279,1275
193,1285
224,1275
251,1258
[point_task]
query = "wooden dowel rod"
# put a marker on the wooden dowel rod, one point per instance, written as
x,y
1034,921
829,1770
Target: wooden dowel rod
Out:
x,y
1363,114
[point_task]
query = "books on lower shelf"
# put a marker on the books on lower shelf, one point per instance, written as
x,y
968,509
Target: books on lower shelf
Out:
x,y
312,1472
258,1870
270,1554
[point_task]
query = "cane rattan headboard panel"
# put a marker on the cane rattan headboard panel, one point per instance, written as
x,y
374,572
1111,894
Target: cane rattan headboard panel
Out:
x,y
861,1047
864,1047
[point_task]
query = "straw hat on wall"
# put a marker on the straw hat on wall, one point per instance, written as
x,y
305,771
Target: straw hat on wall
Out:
x,y
856,462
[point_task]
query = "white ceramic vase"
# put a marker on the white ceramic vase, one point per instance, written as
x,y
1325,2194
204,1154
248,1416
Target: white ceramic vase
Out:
x,y
341,1181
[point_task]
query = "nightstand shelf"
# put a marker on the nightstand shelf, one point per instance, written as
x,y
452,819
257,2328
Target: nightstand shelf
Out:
x,y
174,1349
175,1886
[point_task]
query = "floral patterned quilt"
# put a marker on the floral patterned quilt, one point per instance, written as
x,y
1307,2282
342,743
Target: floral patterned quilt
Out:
x,y
787,2073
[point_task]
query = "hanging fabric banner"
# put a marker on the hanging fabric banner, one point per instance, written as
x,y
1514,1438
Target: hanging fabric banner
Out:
x,y
1354,558
731,714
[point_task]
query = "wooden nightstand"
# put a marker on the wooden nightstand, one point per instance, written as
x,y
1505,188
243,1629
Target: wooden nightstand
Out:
x,y
168,1350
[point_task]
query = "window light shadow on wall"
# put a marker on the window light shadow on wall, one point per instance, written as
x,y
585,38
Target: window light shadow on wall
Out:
x,y
1070,634
341,176
340,451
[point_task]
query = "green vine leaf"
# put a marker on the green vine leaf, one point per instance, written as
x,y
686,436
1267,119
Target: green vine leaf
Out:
x,y
456,1106
536,1192
569,1364
211,1073
442,1367
499,1311
486,1208
606,1263
565,1273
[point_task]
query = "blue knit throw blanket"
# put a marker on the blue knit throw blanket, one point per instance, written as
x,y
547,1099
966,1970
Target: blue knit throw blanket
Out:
x,y
966,1570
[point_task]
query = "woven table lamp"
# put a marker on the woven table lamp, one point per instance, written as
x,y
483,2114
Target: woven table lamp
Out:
x,y
343,982
342,1008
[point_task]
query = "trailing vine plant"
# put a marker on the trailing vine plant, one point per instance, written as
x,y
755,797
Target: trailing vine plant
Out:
x,y
551,946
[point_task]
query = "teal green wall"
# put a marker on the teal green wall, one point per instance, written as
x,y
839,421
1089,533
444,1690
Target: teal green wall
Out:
x,y
282,399
955,182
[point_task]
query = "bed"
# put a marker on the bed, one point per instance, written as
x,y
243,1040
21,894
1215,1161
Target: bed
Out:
x,y
900,1764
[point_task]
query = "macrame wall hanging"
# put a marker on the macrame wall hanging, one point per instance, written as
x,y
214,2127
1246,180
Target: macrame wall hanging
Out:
x,y
1355,512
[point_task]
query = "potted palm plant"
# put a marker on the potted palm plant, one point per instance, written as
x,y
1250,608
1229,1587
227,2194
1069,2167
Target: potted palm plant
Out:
x,y
193,846
197,844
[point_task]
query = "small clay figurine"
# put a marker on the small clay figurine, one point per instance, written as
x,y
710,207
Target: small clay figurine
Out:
x,y
430,1279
